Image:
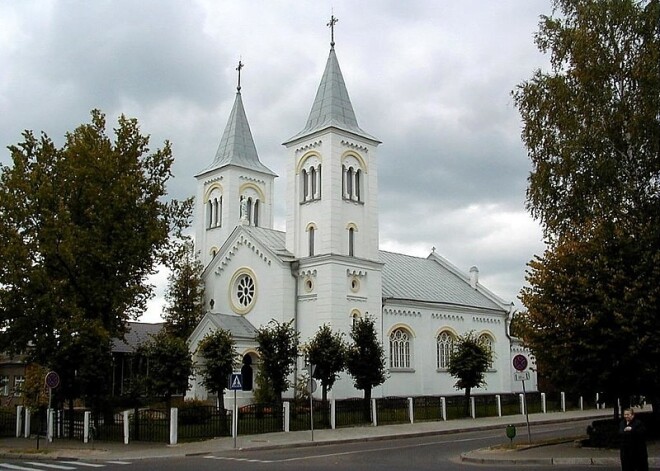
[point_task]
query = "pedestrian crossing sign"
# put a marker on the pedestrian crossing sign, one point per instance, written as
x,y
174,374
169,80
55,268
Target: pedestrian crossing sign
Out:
x,y
236,382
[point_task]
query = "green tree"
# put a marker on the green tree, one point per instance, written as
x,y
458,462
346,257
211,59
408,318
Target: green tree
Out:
x,y
83,226
185,293
365,358
326,350
468,362
219,359
168,366
278,350
592,130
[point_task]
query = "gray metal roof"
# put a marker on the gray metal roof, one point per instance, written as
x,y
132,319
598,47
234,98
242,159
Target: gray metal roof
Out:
x,y
332,106
138,333
237,146
427,280
272,239
237,326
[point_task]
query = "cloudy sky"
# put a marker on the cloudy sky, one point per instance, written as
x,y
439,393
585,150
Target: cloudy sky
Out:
x,y
430,78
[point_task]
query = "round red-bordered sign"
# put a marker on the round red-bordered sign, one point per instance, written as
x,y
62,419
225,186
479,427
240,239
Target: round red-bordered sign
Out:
x,y
52,380
520,362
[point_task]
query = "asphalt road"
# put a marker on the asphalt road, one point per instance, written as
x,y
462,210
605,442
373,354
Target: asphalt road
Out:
x,y
441,452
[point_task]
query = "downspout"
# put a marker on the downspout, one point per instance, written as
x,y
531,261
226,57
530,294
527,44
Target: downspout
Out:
x,y
295,265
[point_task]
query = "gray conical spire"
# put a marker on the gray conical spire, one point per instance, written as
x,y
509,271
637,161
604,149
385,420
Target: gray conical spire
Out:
x,y
237,146
332,106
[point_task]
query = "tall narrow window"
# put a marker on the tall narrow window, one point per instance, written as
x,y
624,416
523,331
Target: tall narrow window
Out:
x,y
305,183
343,181
312,173
249,210
351,242
311,241
399,349
358,175
218,212
349,183
256,213
209,214
487,341
318,176
444,348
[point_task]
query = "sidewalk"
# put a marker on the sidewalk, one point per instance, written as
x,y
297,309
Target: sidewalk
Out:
x,y
567,453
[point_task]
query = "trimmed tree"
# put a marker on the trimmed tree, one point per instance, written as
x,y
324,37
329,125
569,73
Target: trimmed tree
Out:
x,y
365,359
469,362
219,359
278,351
326,350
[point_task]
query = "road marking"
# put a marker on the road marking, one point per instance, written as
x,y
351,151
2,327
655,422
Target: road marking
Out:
x,y
49,465
82,463
118,462
246,460
13,466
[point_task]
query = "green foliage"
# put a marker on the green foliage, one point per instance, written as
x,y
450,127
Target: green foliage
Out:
x,y
263,389
469,362
83,226
169,365
35,392
592,129
326,350
365,357
278,351
185,293
219,359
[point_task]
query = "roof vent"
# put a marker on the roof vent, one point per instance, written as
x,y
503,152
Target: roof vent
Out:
x,y
474,277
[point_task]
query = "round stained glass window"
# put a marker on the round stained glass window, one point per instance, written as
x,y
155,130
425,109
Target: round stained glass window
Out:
x,y
243,291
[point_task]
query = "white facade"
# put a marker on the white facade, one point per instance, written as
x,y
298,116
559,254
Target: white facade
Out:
x,y
327,267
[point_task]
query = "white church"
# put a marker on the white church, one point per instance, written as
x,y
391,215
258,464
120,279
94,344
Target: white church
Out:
x,y
327,267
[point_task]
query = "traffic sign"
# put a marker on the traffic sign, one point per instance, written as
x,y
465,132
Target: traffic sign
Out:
x,y
520,362
52,379
236,382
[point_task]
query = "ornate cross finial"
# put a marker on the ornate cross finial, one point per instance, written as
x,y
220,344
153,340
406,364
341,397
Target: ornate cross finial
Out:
x,y
433,249
331,24
240,66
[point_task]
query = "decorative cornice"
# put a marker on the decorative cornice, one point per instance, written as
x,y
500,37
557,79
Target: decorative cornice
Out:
x,y
211,181
402,312
447,317
307,297
304,273
350,272
487,320
309,146
252,179
360,299
242,241
353,145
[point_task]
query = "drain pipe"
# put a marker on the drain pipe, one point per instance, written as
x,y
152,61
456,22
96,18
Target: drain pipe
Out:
x,y
295,265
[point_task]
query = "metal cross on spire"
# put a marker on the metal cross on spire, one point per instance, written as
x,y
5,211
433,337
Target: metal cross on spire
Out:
x,y
331,24
240,66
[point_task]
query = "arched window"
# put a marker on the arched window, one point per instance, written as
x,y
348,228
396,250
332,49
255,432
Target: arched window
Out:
x,y
256,213
209,214
444,348
311,241
487,341
218,212
351,242
349,183
358,176
305,183
312,174
399,349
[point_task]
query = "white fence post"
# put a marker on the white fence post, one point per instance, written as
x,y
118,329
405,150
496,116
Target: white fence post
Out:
x,y
473,407
443,407
522,403
411,412
27,430
86,418
174,426
563,401
127,424
333,413
19,420
581,403
374,419
498,400
287,416
544,406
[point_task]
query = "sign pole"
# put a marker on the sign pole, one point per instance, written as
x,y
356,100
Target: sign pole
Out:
x,y
235,419
529,433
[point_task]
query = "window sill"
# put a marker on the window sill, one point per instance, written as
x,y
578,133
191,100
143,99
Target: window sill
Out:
x,y
402,370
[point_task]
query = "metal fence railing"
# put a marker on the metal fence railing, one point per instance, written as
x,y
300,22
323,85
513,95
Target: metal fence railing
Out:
x,y
260,418
353,411
392,410
427,408
7,422
197,422
301,412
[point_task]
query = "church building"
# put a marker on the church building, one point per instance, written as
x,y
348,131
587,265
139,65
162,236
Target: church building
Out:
x,y
327,268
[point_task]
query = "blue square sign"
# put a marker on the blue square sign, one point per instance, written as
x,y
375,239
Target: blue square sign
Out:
x,y
236,382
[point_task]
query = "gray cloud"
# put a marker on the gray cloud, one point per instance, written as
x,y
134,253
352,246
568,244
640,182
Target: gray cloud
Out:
x,y
431,79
